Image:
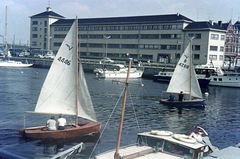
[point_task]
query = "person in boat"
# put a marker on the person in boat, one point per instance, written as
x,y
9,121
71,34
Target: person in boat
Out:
x,y
61,122
180,96
198,134
51,124
171,97
201,136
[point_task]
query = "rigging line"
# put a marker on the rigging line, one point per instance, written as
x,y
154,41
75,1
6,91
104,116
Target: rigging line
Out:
x,y
104,128
134,112
151,100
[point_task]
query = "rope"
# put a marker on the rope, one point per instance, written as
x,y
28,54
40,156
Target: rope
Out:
x,y
107,122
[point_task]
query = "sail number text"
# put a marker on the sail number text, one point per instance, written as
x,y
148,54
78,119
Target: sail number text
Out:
x,y
184,65
64,60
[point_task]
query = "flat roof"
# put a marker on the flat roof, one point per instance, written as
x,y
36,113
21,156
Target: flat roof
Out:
x,y
171,139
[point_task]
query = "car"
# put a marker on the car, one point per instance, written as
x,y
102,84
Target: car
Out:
x,y
107,60
49,56
38,56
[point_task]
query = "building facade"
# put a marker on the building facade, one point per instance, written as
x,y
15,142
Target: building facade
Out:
x,y
158,38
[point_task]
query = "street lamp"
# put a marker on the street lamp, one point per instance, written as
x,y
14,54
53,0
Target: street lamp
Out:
x,y
3,38
106,37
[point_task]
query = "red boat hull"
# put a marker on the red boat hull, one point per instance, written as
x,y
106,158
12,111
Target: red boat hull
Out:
x,y
70,131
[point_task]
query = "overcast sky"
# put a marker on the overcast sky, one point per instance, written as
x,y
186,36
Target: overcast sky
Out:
x,y
19,11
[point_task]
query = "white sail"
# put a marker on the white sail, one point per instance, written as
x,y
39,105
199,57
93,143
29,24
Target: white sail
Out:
x,y
182,75
58,94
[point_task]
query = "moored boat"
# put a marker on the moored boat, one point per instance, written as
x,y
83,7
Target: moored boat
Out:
x,y
117,71
165,76
218,76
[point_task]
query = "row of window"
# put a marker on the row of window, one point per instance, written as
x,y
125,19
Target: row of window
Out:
x,y
130,27
125,36
215,48
134,46
216,37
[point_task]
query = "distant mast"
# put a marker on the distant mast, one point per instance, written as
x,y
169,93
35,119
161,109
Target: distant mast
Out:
x,y
6,35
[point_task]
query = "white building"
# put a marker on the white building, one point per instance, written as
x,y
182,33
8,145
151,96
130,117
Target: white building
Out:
x,y
160,38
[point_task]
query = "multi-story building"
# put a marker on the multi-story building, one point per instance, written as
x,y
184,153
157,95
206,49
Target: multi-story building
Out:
x,y
40,35
159,38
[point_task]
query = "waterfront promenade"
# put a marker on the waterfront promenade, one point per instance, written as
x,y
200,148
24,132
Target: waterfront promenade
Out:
x,y
89,65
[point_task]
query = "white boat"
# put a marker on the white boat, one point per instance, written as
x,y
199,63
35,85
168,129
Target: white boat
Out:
x,y
218,76
117,71
11,63
184,79
8,62
65,92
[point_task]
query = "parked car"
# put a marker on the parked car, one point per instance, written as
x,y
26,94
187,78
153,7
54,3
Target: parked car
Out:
x,y
49,56
24,54
38,56
107,60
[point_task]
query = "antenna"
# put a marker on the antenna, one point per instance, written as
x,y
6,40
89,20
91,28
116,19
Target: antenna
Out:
x,y
49,3
209,16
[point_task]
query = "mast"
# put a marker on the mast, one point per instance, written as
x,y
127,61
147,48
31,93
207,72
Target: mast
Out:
x,y
76,34
116,155
6,34
190,93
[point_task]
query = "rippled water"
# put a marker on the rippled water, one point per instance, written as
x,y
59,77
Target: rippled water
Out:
x,y
20,88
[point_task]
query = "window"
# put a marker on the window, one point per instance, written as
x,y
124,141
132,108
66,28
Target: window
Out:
x,y
213,57
35,23
129,36
221,48
34,43
96,45
113,46
85,36
115,36
213,48
198,36
221,57
130,46
214,36
190,35
149,36
45,23
163,47
196,56
196,47
222,37
95,36
34,35
34,29
57,44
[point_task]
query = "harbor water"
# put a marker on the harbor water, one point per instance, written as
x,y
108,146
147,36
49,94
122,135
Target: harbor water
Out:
x,y
19,90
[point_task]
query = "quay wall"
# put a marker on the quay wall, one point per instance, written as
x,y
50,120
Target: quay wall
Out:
x,y
150,69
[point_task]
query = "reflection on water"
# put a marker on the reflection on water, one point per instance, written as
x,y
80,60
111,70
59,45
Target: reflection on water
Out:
x,y
20,88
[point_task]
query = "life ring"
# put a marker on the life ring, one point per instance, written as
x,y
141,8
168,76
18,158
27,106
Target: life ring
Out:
x,y
154,132
164,133
161,133
184,138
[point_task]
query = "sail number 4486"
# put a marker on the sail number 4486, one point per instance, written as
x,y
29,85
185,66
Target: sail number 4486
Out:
x,y
64,60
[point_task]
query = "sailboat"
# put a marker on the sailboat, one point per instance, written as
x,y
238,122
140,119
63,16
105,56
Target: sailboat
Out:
x,y
184,79
65,92
8,62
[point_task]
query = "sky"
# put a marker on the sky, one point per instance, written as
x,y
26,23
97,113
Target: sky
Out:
x,y
20,11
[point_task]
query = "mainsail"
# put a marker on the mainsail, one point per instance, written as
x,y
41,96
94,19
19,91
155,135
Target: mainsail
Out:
x,y
58,94
182,75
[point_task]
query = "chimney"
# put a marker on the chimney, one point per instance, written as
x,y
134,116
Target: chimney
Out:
x,y
220,23
49,9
